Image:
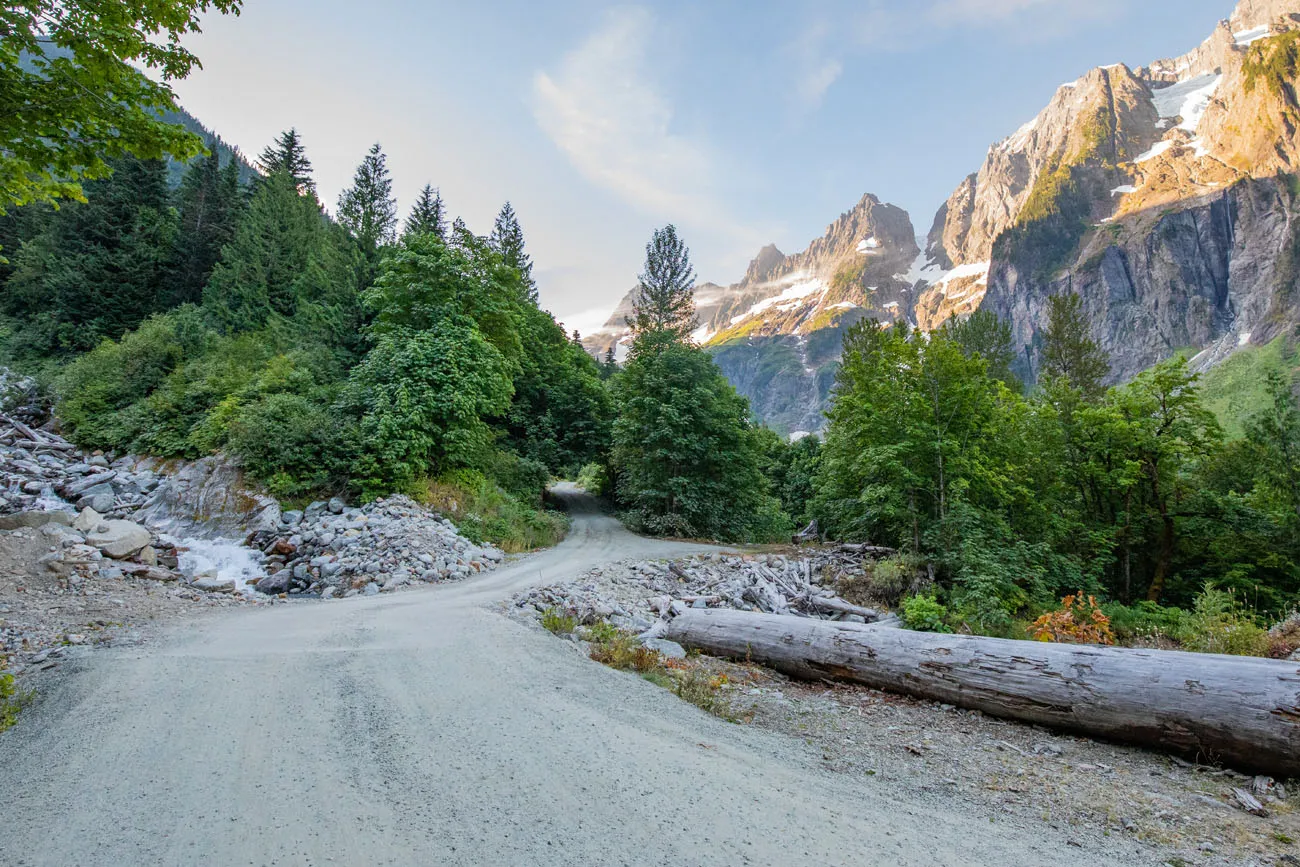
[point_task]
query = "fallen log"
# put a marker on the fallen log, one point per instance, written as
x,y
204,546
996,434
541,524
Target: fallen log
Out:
x,y
1241,711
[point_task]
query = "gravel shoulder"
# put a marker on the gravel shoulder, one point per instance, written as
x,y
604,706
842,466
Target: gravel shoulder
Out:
x,y
1097,796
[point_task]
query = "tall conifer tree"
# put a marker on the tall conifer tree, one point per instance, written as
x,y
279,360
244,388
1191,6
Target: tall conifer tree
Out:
x,y
508,240
428,216
367,209
665,298
287,154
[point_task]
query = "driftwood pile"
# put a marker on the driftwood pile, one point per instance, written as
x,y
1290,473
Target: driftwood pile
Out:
x,y
799,586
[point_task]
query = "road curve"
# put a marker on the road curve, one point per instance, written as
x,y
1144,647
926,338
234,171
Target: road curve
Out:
x,y
425,729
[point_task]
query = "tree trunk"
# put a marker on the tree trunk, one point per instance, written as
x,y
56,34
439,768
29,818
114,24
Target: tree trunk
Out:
x,y
1241,711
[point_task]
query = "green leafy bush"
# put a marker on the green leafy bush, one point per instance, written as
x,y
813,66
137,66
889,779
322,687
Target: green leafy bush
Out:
x,y
12,700
558,622
925,614
594,479
1144,620
294,445
1219,624
98,394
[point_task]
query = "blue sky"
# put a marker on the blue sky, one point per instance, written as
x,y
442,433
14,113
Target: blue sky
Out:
x,y
742,122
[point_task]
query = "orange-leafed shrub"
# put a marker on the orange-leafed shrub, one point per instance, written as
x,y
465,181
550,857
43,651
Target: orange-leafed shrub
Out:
x,y
1078,621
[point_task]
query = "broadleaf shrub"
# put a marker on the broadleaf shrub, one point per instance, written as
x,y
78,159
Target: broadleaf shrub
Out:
x,y
1079,620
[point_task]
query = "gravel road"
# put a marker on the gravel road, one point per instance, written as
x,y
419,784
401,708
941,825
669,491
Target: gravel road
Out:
x,y
423,728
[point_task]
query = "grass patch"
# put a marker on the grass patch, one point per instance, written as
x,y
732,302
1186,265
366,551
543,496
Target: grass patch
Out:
x,y
12,700
687,680
557,622
486,512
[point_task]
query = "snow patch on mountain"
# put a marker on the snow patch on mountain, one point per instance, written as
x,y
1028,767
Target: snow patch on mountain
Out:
x,y
1254,34
1160,147
790,298
869,246
1187,99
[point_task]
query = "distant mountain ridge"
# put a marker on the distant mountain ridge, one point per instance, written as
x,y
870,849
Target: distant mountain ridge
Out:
x,y
1165,196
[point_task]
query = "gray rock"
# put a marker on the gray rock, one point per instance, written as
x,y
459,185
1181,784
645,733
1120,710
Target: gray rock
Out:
x,y
119,539
667,649
328,593
372,589
33,520
149,556
336,506
98,461
293,519
214,584
88,520
274,585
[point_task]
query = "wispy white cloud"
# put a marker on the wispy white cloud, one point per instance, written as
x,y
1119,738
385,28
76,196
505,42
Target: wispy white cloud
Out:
x,y
815,66
602,109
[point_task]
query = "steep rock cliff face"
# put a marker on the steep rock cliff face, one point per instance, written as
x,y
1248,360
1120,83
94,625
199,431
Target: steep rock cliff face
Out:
x,y
1174,217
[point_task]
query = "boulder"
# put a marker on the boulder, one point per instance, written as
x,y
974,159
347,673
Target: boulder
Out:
x,y
34,519
119,539
80,487
87,521
336,506
149,556
214,584
667,649
274,585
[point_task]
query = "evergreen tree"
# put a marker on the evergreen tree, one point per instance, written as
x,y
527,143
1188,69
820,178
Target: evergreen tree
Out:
x,y
288,155
208,210
1069,352
508,240
984,335
428,216
665,297
98,268
368,209
282,263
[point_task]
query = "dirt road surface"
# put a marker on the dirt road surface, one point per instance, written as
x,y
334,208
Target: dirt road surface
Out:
x,y
424,728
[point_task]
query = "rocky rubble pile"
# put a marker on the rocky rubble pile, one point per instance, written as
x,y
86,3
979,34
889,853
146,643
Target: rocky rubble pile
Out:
x,y
331,549
328,549
633,595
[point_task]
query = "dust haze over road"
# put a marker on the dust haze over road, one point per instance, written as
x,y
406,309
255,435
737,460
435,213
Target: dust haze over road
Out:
x,y
425,728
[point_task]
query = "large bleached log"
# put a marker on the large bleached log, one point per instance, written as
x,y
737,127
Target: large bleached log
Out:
x,y
1241,711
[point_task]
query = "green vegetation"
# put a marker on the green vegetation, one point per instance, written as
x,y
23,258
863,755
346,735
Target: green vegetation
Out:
x,y
73,97
1238,389
557,622
1275,62
686,457
925,614
327,357
1132,494
12,701
688,682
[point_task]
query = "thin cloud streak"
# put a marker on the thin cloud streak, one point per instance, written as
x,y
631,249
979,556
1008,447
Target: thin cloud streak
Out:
x,y
601,110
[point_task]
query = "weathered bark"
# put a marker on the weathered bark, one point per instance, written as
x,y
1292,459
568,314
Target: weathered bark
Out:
x,y
1244,712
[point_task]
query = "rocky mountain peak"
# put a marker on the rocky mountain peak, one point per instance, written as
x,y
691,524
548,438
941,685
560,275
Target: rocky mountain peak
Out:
x,y
765,265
